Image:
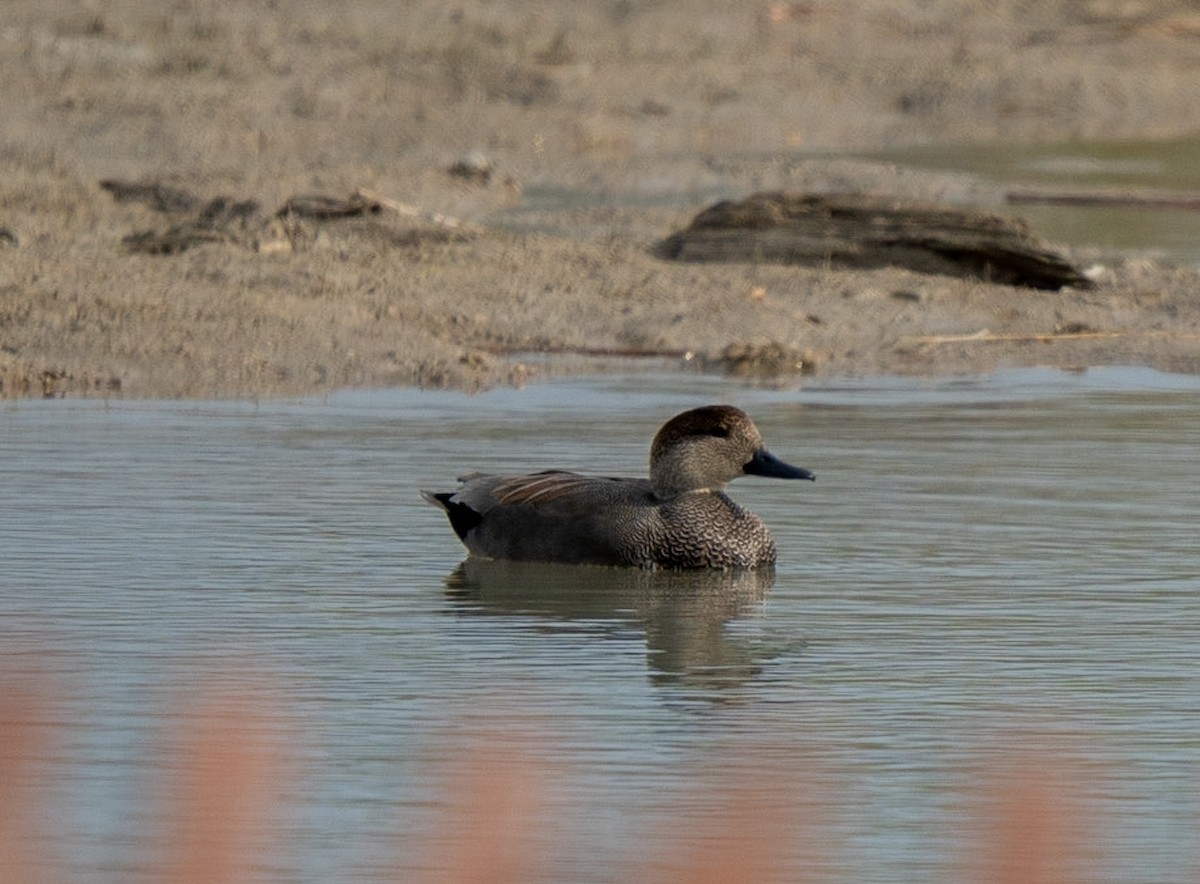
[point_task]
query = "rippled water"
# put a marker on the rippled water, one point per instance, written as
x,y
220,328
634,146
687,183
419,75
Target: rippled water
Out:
x,y
983,564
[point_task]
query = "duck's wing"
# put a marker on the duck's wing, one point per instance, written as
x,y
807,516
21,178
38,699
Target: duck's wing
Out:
x,y
553,492
557,491
554,516
546,486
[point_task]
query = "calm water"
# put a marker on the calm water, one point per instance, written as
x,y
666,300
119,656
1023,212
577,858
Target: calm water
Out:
x,y
1131,165
983,564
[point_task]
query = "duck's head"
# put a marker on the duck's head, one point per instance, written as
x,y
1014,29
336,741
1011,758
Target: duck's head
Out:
x,y
706,447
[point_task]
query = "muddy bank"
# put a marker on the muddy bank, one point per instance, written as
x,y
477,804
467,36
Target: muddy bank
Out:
x,y
456,281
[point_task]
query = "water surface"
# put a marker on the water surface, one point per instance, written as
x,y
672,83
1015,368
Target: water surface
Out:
x,y
984,564
1143,166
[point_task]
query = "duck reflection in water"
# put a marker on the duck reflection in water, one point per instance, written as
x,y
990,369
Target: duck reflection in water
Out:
x,y
679,517
684,614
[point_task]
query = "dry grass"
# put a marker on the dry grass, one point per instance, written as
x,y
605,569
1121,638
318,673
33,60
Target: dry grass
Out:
x,y
228,770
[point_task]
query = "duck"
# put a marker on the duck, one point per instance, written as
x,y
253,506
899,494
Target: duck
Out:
x,y
678,518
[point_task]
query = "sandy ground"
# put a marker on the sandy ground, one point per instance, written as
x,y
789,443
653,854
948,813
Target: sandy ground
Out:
x,y
606,126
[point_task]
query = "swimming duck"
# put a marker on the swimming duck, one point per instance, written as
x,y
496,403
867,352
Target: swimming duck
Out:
x,y
678,518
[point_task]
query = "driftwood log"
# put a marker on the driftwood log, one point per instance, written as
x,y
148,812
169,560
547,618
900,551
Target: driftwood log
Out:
x,y
864,231
242,222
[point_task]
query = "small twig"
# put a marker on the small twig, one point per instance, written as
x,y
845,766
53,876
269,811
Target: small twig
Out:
x,y
614,352
985,336
411,211
1142,199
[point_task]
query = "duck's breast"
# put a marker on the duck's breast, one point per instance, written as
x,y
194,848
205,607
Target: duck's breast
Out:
x,y
710,530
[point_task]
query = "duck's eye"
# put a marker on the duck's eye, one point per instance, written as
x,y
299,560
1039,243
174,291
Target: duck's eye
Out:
x,y
719,432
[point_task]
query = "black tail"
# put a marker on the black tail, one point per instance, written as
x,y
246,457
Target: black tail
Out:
x,y
462,517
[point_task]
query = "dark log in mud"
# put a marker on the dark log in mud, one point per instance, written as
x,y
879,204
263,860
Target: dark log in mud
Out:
x,y
324,207
231,221
865,231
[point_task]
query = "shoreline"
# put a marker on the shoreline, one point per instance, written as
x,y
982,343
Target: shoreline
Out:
x,y
452,118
